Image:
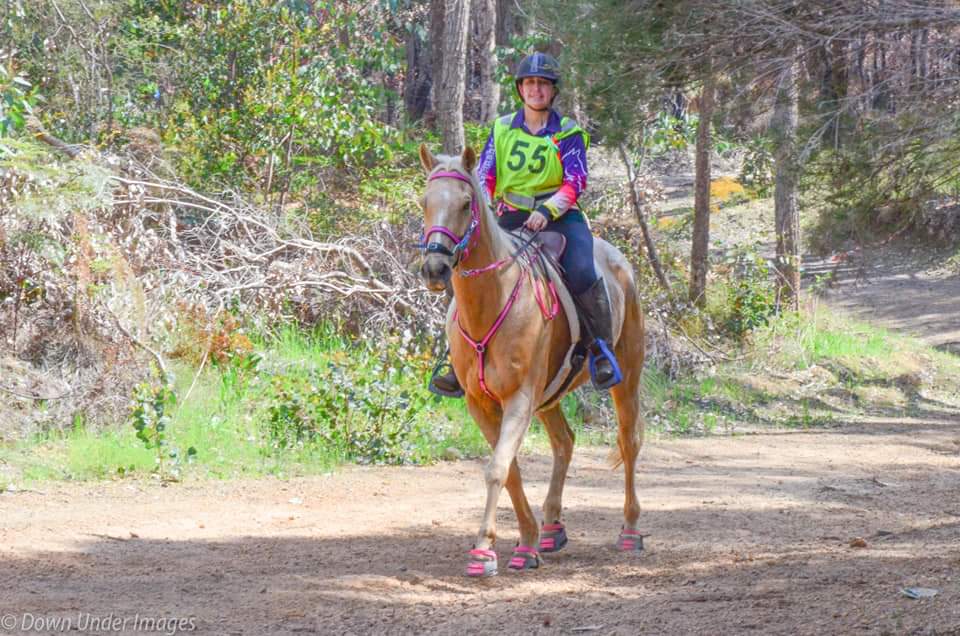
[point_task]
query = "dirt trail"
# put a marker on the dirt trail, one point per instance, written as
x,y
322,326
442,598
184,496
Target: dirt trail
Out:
x,y
748,534
904,288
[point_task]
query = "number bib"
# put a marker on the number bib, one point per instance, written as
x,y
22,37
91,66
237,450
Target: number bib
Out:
x,y
528,165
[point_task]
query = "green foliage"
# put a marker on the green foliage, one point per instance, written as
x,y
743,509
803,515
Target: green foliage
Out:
x,y
278,93
756,172
364,413
611,52
17,95
747,294
238,371
669,134
150,415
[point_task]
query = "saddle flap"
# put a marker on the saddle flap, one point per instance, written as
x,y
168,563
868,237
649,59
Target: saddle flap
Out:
x,y
553,244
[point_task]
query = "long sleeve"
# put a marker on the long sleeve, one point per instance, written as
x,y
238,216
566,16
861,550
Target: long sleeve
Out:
x,y
487,167
573,156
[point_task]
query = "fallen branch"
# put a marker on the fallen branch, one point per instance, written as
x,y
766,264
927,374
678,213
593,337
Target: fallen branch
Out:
x,y
642,220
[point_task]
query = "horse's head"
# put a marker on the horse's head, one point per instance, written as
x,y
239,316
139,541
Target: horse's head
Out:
x,y
450,213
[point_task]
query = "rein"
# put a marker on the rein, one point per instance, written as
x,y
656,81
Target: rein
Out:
x,y
462,246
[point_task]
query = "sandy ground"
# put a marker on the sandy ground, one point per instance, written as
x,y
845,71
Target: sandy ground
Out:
x,y
749,534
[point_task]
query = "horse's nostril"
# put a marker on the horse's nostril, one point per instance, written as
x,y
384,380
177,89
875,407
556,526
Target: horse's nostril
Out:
x,y
435,270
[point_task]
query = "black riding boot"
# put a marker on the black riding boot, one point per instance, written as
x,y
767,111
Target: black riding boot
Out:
x,y
445,384
594,305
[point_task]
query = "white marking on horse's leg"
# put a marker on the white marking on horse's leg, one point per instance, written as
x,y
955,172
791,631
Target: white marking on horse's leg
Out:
x,y
513,426
561,441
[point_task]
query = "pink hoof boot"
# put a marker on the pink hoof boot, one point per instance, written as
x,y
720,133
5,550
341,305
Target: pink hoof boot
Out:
x,y
630,541
524,558
553,536
482,563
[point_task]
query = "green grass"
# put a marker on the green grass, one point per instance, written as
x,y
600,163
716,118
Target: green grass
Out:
x,y
799,371
228,427
223,428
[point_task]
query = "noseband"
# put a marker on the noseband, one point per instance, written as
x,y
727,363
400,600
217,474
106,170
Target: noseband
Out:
x,y
461,244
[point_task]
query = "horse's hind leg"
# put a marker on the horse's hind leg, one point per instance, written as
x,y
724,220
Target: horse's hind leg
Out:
x,y
561,441
629,440
626,398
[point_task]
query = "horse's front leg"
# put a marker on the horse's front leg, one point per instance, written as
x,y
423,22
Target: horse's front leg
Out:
x,y
502,470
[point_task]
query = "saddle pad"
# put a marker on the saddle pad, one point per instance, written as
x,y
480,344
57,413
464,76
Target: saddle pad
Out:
x,y
554,391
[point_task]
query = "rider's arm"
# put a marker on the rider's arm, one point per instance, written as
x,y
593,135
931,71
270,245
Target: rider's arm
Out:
x,y
573,155
487,167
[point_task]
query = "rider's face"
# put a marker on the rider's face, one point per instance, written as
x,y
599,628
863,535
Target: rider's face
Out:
x,y
537,92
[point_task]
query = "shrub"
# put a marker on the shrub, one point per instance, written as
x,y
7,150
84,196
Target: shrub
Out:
x,y
363,413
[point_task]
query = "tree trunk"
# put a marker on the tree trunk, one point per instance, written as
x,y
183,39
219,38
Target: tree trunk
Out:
x,y
701,207
485,28
448,92
787,215
924,55
416,85
437,15
508,23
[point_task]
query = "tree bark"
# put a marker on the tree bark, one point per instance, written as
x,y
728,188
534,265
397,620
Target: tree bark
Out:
x,y
437,15
786,212
416,85
507,24
699,263
449,91
485,28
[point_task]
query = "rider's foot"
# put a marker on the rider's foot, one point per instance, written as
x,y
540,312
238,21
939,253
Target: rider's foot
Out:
x,y
446,384
604,371
603,366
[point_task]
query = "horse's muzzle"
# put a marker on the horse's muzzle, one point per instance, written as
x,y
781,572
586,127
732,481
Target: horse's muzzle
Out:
x,y
436,272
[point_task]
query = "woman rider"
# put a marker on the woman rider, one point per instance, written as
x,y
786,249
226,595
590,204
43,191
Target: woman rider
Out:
x,y
534,167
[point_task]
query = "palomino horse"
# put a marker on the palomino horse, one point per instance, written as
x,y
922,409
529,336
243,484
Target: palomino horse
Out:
x,y
506,350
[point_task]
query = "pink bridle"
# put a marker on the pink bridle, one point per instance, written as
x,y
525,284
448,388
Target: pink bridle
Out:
x,y
461,243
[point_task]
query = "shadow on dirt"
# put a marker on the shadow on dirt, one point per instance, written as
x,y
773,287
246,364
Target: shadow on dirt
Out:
x,y
774,571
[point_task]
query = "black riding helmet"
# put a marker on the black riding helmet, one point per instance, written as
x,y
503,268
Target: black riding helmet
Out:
x,y
538,65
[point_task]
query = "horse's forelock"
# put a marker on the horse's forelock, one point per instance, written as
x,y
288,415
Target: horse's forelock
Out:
x,y
449,162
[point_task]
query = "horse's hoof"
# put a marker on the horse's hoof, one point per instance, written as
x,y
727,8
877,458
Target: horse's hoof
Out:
x,y
483,563
524,558
553,537
630,541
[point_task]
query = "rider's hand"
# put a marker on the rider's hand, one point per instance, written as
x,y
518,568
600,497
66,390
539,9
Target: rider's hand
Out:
x,y
536,222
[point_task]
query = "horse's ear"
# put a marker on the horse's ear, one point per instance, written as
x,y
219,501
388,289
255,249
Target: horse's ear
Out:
x,y
469,159
427,160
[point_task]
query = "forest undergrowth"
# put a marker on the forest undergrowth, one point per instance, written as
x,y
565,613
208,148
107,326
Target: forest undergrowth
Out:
x,y
292,380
